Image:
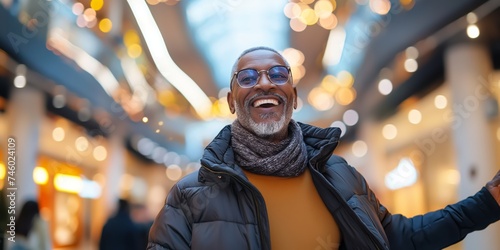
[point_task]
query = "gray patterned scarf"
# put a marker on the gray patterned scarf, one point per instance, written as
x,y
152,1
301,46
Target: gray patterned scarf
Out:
x,y
286,158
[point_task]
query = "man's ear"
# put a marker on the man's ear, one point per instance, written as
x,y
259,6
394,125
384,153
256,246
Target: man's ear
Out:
x,y
295,98
230,102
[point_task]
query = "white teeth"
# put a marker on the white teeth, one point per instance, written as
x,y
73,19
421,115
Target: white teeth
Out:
x,y
265,101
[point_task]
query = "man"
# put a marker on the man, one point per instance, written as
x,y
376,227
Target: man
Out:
x,y
120,231
268,182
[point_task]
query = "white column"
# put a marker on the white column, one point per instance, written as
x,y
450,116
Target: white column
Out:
x,y
113,171
467,69
25,112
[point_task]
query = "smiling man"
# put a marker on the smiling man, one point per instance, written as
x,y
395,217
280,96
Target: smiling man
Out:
x,y
269,182
263,108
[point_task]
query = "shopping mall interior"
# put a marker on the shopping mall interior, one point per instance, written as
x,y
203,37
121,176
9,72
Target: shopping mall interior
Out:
x,y
109,99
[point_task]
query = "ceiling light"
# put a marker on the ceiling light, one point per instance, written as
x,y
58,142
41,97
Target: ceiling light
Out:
x,y
334,47
165,64
100,153
85,61
389,131
411,65
350,117
359,148
58,134
411,52
105,25
440,101
173,172
471,18
414,116
473,31
20,81
341,126
385,86
40,175
404,175
68,183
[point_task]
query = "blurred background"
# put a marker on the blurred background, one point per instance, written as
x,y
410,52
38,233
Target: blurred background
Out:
x,y
109,99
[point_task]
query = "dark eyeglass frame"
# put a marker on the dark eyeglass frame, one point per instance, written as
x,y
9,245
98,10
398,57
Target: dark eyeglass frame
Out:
x,y
258,76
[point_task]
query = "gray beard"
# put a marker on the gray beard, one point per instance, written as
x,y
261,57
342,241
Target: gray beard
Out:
x,y
265,129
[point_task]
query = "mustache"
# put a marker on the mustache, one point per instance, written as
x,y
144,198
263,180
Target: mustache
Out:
x,y
250,100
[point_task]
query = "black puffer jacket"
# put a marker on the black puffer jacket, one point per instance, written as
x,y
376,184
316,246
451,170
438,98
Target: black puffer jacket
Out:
x,y
217,207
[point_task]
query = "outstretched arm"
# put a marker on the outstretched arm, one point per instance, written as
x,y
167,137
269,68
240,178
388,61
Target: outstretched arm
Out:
x,y
441,228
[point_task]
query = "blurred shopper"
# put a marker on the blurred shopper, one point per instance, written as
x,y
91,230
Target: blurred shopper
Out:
x,y
141,216
269,182
120,231
32,231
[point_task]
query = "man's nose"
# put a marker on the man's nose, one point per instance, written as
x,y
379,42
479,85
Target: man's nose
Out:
x,y
263,81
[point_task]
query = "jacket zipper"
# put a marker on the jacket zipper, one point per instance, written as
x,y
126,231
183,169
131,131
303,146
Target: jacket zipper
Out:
x,y
254,198
351,212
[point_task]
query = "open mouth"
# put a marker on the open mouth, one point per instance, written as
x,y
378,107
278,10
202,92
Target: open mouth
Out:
x,y
265,103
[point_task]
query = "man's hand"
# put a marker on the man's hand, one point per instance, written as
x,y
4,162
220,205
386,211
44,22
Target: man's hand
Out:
x,y
494,187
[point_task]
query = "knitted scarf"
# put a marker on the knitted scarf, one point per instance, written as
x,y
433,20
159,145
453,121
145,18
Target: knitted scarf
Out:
x,y
286,158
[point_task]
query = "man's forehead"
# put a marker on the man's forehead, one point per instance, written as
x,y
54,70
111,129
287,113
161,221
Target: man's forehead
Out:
x,y
260,57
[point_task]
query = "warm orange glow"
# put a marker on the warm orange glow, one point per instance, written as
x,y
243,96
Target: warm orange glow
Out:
x,y
320,99
153,2
2,171
105,25
40,175
167,98
345,96
330,83
308,16
130,37
68,183
134,50
96,4
329,22
345,78
407,4
323,8
126,182
221,107
380,7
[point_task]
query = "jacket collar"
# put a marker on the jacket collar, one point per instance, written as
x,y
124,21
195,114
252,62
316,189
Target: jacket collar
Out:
x,y
320,142
218,156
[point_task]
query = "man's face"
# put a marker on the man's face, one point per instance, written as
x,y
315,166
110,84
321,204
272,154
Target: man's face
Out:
x,y
266,108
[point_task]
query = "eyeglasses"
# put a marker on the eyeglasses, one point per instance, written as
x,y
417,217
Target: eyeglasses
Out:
x,y
248,78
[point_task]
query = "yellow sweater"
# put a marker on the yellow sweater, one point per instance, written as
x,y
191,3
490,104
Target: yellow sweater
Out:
x,y
298,218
